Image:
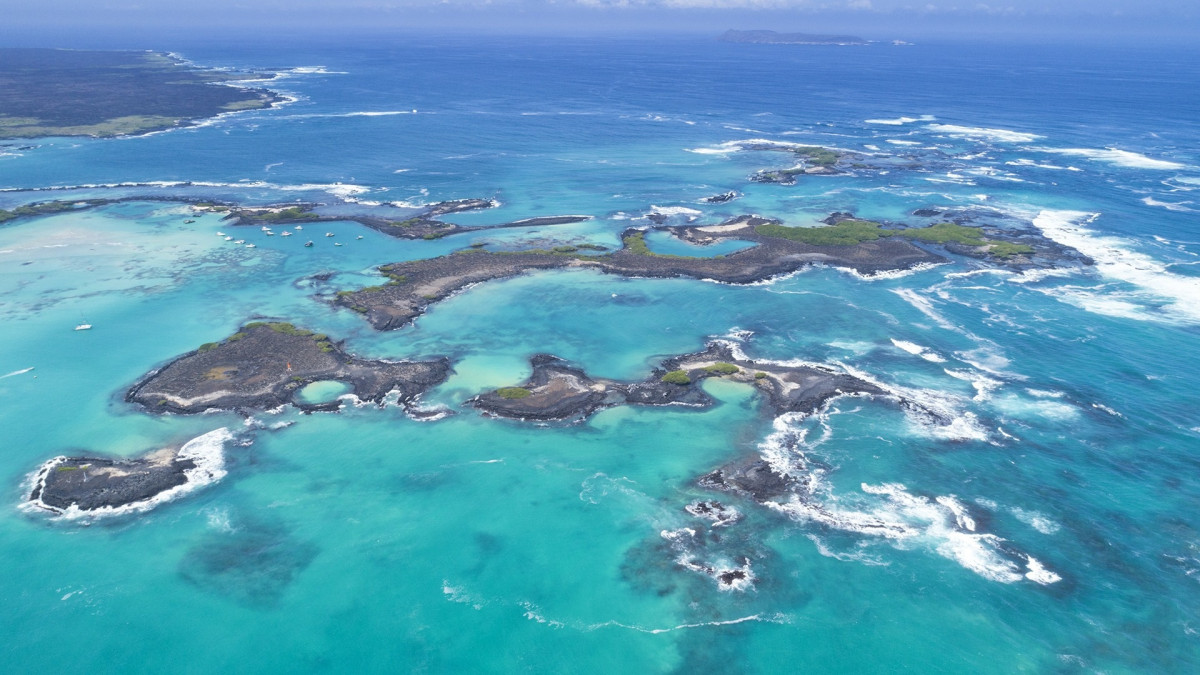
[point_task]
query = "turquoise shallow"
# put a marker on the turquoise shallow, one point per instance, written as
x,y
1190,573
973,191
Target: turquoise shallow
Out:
x,y
1051,526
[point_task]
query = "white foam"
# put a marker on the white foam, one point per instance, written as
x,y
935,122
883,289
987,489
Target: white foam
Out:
x,y
1180,207
901,120
1031,163
1114,258
1116,157
917,350
896,141
777,618
983,385
883,275
985,133
675,211
1036,520
16,372
207,453
923,305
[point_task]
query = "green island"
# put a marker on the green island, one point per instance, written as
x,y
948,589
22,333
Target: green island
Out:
x,y
851,231
61,92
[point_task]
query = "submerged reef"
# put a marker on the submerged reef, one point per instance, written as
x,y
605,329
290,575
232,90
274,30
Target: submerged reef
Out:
x,y
264,365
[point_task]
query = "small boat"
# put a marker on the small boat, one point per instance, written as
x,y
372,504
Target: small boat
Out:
x,y
270,234
299,227
220,234
228,238
84,326
285,233
328,234
240,241
337,244
360,236
249,245
189,221
265,228
308,244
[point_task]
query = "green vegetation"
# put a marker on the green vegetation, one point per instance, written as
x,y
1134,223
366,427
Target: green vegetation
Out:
x,y
945,233
207,347
66,467
844,233
677,377
512,392
760,375
291,213
591,247
851,232
635,242
407,223
817,155
44,208
236,336
564,249
1005,249
721,368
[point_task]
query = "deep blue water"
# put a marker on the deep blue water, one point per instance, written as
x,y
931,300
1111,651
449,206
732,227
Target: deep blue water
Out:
x,y
1051,527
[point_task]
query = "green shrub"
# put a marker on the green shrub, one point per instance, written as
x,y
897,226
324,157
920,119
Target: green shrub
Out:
x,y
946,233
722,368
1005,249
512,392
844,233
677,377
760,375
207,347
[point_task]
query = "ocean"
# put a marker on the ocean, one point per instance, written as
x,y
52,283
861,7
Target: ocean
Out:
x,y
1052,525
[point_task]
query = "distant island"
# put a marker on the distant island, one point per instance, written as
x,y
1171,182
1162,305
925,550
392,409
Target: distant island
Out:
x,y
61,92
770,37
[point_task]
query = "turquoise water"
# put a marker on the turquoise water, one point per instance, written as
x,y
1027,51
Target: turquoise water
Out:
x,y
365,540
322,391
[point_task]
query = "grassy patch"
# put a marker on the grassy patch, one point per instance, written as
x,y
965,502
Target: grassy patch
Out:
x,y
845,233
677,377
207,347
946,233
760,375
817,155
721,369
512,393
1005,249
292,213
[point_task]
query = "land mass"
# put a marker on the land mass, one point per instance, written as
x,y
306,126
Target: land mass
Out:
x,y
770,37
424,225
416,284
265,365
558,392
59,92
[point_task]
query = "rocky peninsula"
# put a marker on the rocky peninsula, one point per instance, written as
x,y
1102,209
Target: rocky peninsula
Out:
x,y
414,285
557,391
265,365
425,225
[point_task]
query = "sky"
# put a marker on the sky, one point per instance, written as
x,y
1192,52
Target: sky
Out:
x,y
64,22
